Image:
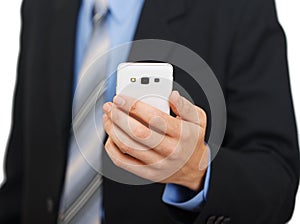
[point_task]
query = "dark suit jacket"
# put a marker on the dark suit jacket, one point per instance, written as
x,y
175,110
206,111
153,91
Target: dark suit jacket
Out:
x,y
254,177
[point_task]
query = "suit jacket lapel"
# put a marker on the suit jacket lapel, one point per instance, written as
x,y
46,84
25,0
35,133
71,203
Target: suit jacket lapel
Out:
x,y
59,79
61,56
62,4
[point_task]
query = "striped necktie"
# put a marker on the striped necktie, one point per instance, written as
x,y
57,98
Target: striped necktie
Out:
x,y
82,193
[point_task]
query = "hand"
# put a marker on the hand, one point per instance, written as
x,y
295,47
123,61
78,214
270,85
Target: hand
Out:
x,y
157,146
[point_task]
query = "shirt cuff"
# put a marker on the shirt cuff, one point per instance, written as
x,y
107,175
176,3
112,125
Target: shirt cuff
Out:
x,y
184,198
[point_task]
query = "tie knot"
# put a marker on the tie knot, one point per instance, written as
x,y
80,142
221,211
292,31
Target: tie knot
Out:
x,y
100,10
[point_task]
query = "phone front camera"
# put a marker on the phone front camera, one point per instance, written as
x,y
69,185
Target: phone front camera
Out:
x,y
145,80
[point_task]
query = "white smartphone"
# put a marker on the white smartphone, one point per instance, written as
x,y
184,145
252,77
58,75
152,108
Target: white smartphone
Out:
x,y
151,83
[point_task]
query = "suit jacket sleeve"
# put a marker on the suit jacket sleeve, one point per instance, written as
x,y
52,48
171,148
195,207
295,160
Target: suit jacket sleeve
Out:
x,y
11,190
254,176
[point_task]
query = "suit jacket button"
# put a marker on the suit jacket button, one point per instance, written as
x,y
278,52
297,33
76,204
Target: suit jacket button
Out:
x,y
49,205
226,221
219,220
211,220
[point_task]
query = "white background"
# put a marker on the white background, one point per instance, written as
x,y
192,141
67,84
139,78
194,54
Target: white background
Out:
x,y
289,17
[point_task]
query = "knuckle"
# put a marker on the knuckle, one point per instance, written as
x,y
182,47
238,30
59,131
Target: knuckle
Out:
x,y
117,162
186,107
140,132
169,150
159,166
125,148
202,115
107,145
156,121
134,107
201,135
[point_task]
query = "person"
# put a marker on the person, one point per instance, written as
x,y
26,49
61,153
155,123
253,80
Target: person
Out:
x,y
255,175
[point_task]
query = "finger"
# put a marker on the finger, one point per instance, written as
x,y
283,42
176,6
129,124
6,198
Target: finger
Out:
x,y
126,162
129,146
186,110
135,129
147,114
118,157
163,145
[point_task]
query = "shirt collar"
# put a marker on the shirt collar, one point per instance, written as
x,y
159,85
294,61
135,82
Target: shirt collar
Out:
x,y
121,9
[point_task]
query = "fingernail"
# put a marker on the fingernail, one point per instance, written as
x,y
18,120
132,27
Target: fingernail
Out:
x,y
177,97
106,107
119,101
176,94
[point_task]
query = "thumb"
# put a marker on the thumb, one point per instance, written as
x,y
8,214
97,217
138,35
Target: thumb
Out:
x,y
186,110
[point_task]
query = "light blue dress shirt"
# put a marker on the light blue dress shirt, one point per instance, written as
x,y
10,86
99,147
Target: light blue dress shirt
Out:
x,y
122,20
